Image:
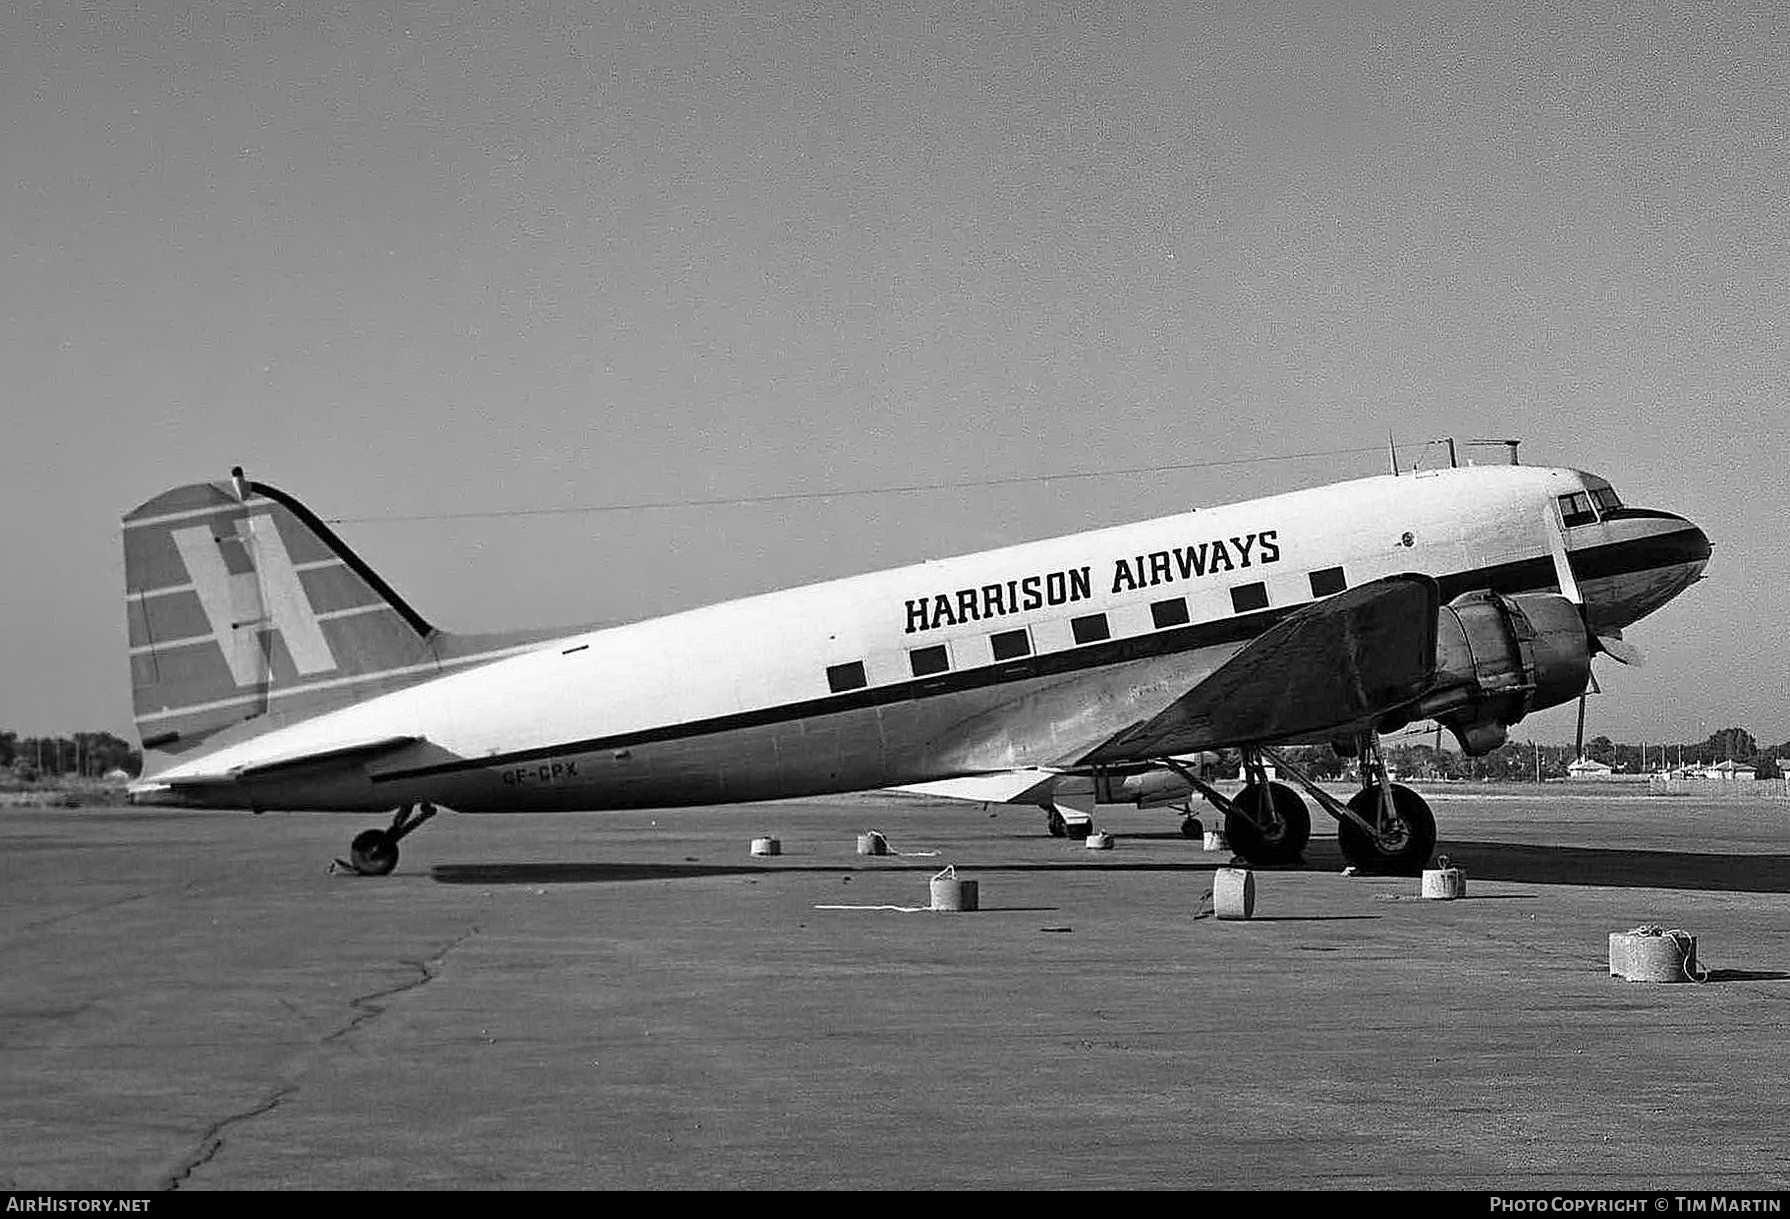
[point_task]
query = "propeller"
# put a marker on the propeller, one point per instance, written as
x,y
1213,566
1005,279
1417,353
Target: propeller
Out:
x,y
1618,649
1578,750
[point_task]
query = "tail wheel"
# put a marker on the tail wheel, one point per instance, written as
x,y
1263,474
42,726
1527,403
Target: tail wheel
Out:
x,y
1269,824
1405,841
373,853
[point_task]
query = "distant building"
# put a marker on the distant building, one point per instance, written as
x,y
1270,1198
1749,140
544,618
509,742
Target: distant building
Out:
x,y
1730,772
1721,772
1587,768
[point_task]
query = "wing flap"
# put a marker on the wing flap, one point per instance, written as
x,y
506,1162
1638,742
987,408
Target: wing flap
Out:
x,y
1336,663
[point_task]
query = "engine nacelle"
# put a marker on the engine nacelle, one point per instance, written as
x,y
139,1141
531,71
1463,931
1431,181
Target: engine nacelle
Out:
x,y
1498,658
1145,788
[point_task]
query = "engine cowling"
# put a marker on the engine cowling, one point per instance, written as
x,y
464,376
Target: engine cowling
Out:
x,y
1500,657
1151,788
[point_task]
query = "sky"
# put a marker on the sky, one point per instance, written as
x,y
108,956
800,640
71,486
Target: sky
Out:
x,y
413,262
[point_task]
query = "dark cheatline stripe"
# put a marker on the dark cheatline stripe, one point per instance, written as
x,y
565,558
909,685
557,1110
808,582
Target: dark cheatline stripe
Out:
x,y
1640,514
1673,549
1525,575
1522,576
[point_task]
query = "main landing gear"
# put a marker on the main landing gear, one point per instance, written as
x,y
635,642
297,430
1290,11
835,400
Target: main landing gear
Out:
x,y
1267,823
375,852
1384,828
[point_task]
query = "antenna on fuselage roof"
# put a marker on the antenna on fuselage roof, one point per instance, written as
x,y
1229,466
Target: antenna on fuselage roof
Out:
x,y
1509,444
1392,452
1453,461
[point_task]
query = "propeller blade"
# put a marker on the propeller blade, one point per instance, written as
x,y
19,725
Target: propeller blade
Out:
x,y
1563,573
1620,650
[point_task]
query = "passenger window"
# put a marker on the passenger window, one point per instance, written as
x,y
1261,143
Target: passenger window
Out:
x,y
927,661
1246,597
1011,645
1169,613
1575,509
846,677
1091,629
1328,582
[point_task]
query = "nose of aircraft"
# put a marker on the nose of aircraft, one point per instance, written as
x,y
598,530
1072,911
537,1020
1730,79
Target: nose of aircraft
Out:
x,y
1649,558
1699,545
1685,545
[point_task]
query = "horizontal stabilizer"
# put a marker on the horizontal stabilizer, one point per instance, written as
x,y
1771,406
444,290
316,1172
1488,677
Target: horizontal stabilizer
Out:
x,y
361,751
1335,664
1029,786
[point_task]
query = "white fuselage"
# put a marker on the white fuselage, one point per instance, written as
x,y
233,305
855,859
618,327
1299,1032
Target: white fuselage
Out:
x,y
840,686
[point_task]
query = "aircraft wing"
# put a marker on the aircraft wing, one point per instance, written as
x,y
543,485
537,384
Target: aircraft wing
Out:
x,y
1333,665
1030,785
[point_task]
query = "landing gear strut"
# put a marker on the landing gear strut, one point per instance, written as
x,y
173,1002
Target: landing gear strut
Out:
x,y
375,852
1386,827
1267,823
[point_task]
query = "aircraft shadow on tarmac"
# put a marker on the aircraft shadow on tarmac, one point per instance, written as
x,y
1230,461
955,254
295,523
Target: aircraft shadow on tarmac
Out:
x,y
608,873
1601,866
1520,863
1745,975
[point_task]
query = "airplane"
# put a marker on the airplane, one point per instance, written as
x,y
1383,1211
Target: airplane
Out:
x,y
273,669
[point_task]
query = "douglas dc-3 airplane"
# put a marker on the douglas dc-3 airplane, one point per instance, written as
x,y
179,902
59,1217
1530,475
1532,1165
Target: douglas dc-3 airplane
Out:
x,y
280,672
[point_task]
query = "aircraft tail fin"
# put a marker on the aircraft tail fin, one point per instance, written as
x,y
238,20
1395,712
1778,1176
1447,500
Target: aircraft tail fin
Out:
x,y
242,605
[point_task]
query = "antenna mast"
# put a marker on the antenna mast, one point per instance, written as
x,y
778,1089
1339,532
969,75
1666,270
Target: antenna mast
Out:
x,y
1509,444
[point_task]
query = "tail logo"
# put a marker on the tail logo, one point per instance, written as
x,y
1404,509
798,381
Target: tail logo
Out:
x,y
243,606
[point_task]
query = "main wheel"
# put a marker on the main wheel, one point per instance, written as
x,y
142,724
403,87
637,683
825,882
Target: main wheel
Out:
x,y
1399,849
1056,825
1270,824
373,853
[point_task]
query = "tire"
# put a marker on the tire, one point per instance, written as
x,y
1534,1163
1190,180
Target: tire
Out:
x,y
1408,846
373,853
1268,833
1191,827
1056,825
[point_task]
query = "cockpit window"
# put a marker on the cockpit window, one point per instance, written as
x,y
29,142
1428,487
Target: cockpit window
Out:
x,y
1605,499
1575,509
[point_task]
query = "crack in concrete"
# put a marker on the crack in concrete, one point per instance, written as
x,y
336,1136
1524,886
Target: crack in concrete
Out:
x,y
369,1007
69,915
213,1139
